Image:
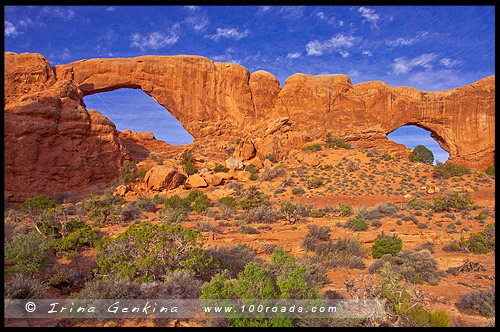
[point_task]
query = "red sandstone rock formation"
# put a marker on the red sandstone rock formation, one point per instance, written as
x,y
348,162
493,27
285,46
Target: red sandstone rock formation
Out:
x,y
52,143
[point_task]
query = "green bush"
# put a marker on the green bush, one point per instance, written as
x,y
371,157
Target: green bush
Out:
x,y
270,157
82,237
449,170
175,202
314,147
490,170
128,172
358,223
229,201
145,252
28,252
189,168
251,168
423,318
345,210
290,212
220,168
477,243
315,182
298,191
421,154
453,202
387,156
386,244
36,205
336,142
99,210
201,204
282,279
317,213
186,156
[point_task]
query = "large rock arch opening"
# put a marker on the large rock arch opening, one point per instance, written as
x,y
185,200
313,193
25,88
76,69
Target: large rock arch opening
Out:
x,y
132,109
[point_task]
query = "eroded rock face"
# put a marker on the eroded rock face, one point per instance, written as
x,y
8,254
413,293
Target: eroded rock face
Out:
x,y
53,144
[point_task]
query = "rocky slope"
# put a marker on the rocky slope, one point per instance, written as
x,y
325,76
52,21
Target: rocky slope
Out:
x,y
53,144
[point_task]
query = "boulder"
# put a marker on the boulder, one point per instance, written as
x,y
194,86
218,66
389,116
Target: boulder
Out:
x,y
121,190
163,177
196,181
233,163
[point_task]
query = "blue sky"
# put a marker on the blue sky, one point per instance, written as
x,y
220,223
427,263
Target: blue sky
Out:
x,y
430,48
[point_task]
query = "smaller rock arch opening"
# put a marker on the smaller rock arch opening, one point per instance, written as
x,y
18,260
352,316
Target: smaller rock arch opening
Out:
x,y
411,136
133,109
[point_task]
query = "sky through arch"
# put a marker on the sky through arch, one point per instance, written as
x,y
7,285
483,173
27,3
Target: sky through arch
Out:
x,y
133,109
411,136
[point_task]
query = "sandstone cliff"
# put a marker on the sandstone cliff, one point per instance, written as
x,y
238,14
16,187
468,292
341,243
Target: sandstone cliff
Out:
x,y
52,143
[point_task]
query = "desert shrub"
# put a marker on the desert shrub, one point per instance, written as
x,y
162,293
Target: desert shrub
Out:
x,y
290,212
298,191
220,168
158,200
319,233
449,170
109,289
253,198
128,172
358,223
336,142
421,317
229,201
82,237
490,170
314,147
429,246
251,168
201,204
146,204
373,153
315,182
386,244
262,214
352,166
24,287
233,259
380,211
173,215
246,229
348,252
421,154
387,156
131,211
186,156
482,301
189,168
270,157
282,279
99,210
60,198
272,173
453,202
175,202
62,278
317,213
415,266
36,205
28,252
179,284
345,210
205,226
253,177
416,203
477,243
145,252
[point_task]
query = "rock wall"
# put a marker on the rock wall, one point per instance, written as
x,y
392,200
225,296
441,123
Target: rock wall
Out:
x,y
52,143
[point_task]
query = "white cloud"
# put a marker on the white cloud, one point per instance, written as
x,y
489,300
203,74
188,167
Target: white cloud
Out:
x,y
338,42
402,66
322,16
448,63
66,54
192,8
228,33
155,40
344,54
341,23
353,73
231,56
370,16
197,22
367,52
421,35
58,12
292,12
264,9
293,55
10,30
110,9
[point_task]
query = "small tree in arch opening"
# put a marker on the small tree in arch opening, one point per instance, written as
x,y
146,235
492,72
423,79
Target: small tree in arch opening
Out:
x,y
421,154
